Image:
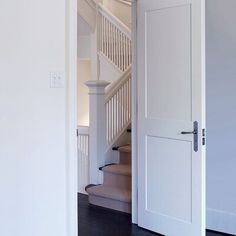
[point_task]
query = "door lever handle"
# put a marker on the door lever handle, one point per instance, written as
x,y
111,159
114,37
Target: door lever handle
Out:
x,y
191,132
195,135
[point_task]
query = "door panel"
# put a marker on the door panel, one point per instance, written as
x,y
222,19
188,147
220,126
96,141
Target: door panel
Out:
x,y
168,46
162,166
171,82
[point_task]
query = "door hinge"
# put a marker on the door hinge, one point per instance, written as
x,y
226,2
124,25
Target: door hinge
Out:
x,y
203,137
77,132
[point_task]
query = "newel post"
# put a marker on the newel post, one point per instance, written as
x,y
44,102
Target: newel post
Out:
x,y
97,123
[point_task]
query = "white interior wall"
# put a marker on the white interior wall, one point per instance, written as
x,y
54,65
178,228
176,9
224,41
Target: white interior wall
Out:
x,y
32,119
108,71
84,39
221,115
84,74
120,10
84,49
83,70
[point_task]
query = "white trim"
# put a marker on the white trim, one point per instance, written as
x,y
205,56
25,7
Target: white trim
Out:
x,y
134,116
71,117
83,130
221,221
126,2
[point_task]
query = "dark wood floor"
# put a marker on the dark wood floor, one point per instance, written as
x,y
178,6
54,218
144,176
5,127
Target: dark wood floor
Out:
x,y
95,221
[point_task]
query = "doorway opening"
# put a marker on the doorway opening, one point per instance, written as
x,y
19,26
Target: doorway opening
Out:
x,y
104,103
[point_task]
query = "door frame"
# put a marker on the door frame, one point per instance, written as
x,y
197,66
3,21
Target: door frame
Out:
x,y
71,72
134,119
71,116
71,107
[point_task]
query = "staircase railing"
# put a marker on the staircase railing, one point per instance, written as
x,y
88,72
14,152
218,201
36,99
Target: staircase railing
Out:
x,y
110,109
118,108
114,39
83,157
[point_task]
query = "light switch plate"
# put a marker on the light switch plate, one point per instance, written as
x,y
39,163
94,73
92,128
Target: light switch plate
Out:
x,y
57,79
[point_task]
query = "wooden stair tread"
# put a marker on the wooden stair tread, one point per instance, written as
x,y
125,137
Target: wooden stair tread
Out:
x,y
118,169
118,194
126,148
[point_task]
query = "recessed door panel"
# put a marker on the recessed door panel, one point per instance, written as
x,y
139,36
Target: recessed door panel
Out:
x,y
168,160
168,56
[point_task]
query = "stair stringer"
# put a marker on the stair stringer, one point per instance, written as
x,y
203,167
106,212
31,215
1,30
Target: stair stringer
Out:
x,y
87,10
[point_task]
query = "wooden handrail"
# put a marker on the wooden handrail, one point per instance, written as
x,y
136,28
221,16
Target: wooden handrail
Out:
x,y
118,84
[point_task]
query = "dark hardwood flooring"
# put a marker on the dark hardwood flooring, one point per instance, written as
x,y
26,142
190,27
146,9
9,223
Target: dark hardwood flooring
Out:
x,y
96,221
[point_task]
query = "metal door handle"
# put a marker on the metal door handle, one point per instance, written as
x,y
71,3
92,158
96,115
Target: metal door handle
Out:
x,y
186,132
195,135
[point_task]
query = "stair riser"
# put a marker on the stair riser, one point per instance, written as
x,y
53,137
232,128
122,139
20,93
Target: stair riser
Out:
x,y
125,158
110,203
118,181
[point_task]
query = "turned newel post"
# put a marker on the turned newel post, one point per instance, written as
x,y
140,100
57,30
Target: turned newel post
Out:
x,y
97,130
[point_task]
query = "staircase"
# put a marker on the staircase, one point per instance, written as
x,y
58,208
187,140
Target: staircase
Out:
x,y
112,113
115,192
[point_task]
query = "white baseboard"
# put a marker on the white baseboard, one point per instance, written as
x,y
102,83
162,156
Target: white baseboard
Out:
x,y
221,221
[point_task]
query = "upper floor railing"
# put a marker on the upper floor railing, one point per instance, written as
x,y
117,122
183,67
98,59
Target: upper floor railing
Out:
x,y
114,39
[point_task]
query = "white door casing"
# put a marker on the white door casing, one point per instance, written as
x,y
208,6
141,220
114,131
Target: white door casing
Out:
x,y
171,96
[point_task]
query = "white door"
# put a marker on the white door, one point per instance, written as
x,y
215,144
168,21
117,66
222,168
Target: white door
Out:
x,y
171,103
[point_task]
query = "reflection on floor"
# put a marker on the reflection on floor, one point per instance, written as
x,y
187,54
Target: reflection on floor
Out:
x,y
95,221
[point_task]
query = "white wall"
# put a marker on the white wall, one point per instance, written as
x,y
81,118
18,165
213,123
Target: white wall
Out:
x,y
221,115
84,74
84,38
84,49
108,71
32,119
120,10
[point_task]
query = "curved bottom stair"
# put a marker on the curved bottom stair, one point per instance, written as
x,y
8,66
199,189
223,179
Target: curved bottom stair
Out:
x,y
108,197
115,192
